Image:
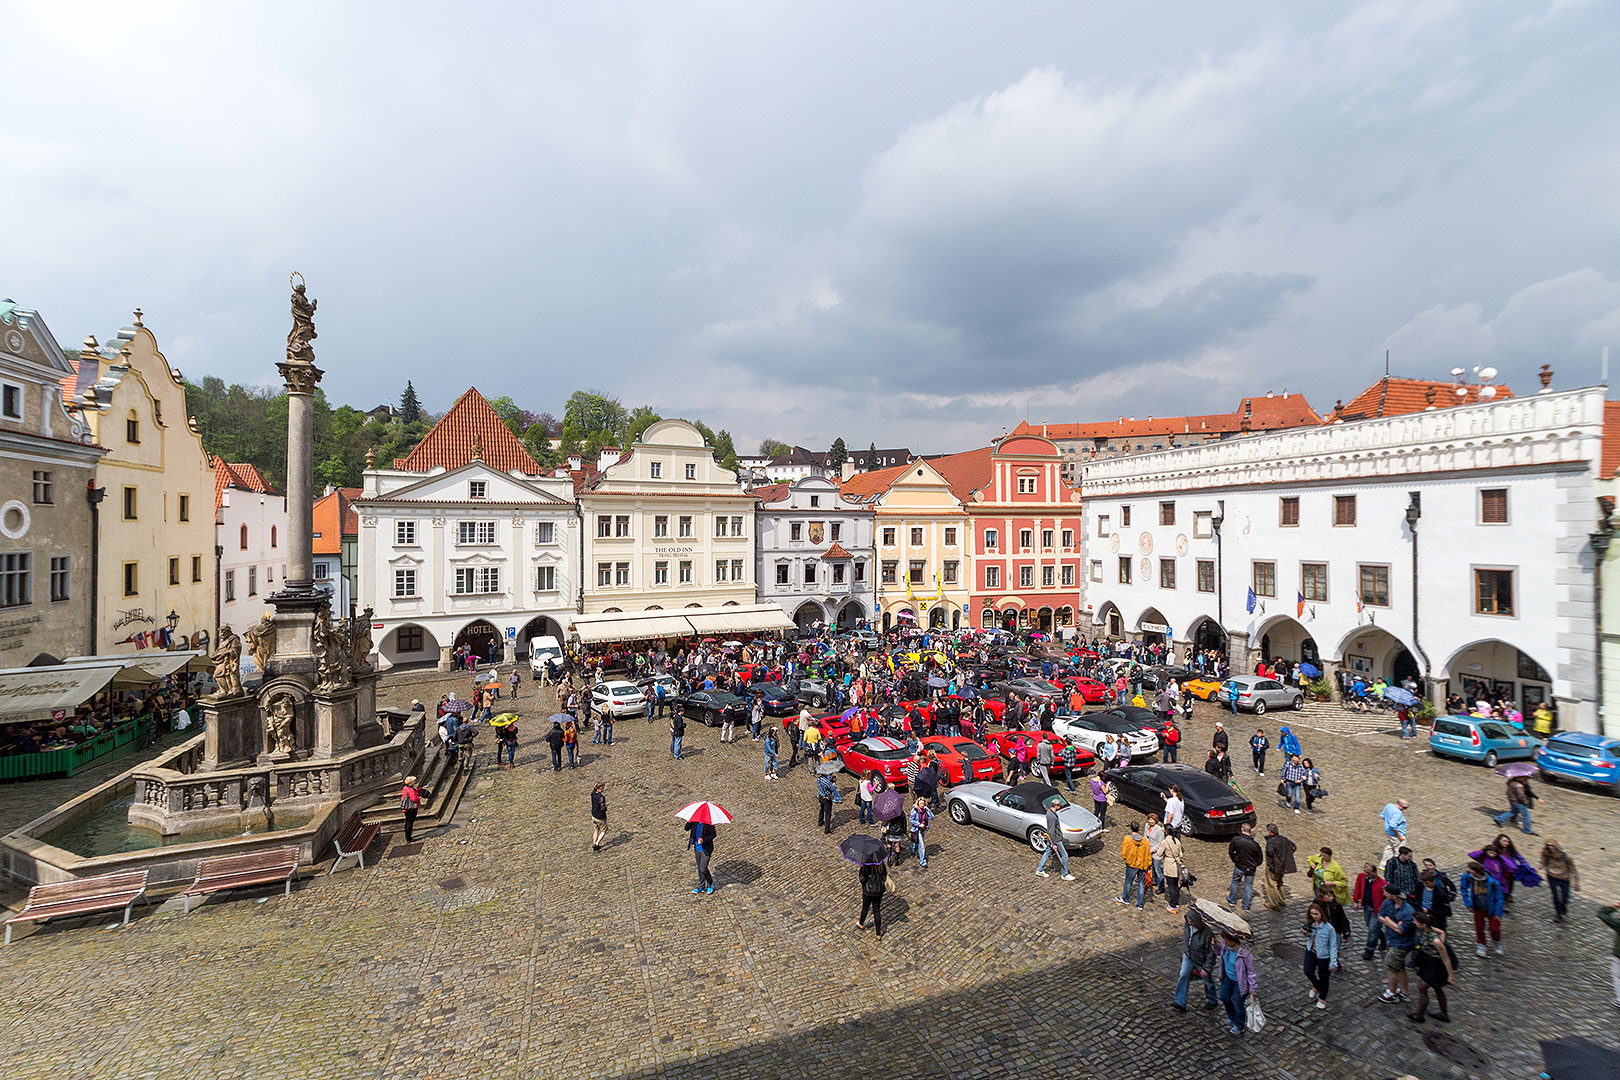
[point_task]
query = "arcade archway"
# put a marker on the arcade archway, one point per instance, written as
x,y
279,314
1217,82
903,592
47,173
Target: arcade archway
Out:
x,y
483,638
1498,671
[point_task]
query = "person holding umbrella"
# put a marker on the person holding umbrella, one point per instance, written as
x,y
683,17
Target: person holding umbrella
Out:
x,y
890,808
1520,797
701,818
826,794
871,855
506,739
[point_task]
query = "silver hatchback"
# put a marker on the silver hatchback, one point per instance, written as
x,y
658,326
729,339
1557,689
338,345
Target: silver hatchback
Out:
x,y
1257,695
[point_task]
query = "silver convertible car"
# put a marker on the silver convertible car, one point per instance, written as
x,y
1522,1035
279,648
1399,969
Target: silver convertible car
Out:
x,y
1021,811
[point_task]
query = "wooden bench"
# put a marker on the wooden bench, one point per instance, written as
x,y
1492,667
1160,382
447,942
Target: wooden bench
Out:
x,y
239,871
352,840
81,897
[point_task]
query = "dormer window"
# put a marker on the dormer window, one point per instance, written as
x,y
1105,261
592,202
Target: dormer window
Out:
x,y
477,489
657,468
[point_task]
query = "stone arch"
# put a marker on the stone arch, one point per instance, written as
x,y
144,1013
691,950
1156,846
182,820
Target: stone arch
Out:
x,y
1111,620
408,643
1283,637
539,626
481,635
1377,653
808,615
1497,669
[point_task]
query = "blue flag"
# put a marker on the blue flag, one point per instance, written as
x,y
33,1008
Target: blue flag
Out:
x,y
1251,601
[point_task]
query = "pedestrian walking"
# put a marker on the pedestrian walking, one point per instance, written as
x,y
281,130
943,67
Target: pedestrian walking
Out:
x,y
1394,818
827,793
1258,745
605,729
677,731
1288,742
554,739
1138,859
1401,873
1326,873
728,726
1099,800
1219,740
1310,783
1397,918
1431,959
1175,811
1054,844
410,802
1432,900
1369,895
921,817
865,793
1155,838
1044,760
1482,895
874,883
1068,759
1170,737
598,816
770,748
1321,952
1561,875
1240,983
1197,958
1170,861
513,681
756,716
1219,765
1246,856
700,839
1520,799
1279,864
1293,778
571,743
506,742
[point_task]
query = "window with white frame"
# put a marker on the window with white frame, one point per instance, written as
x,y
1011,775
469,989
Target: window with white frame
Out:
x,y
621,573
1026,539
11,402
736,525
992,577
686,572
661,572
1026,485
60,577
405,583
621,526
545,532
661,525
477,579
604,525
1203,524
1026,577
991,538
1068,538
722,569
655,469
545,579
1096,569
1046,539
810,572
949,568
736,569
604,575
1048,576
916,536
686,525
477,489
405,533
1068,574
475,532
691,472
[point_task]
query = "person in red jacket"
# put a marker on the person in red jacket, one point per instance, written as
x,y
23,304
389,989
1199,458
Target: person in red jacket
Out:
x,y
1369,893
1171,737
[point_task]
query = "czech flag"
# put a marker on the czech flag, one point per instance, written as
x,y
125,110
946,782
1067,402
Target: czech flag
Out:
x,y
1300,606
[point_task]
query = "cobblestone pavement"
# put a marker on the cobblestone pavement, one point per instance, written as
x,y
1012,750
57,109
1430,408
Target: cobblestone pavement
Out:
x,y
509,949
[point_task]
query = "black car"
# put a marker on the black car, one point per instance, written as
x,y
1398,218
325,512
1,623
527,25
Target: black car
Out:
x,y
779,700
1136,716
1213,808
712,707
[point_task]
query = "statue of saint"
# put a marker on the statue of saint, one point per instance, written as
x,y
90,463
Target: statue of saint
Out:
x,y
299,349
282,739
227,660
261,643
362,640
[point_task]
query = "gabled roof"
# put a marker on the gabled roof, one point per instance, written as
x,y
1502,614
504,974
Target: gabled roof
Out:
x,y
470,427
240,475
836,551
1610,464
1269,413
773,492
966,472
1395,396
335,518
865,485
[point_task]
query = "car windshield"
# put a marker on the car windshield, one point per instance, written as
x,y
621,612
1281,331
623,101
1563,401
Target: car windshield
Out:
x,y
1113,724
1206,788
1495,731
722,698
1042,685
1574,749
770,689
619,689
1056,800
971,751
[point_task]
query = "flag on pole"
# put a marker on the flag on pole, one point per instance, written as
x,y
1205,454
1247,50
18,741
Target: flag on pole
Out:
x,y
1251,600
1299,610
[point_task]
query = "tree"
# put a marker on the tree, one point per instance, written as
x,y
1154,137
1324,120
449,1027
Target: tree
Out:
x,y
871,458
599,418
769,448
725,449
508,411
641,419
538,441
410,409
837,455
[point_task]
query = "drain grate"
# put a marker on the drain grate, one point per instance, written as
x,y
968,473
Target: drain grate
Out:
x,y
401,851
1455,1050
452,884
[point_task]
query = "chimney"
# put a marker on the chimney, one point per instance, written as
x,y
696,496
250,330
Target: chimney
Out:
x,y
609,456
1546,378
848,469
575,463
1428,398
327,490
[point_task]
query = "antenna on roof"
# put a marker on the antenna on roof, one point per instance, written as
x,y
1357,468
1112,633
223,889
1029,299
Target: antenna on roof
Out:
x,y
1386,363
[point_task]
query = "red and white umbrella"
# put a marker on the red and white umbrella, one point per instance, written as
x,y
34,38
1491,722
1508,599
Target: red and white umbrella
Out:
x,y
705,813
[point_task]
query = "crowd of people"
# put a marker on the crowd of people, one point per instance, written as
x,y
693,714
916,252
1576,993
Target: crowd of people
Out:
x,y
161,711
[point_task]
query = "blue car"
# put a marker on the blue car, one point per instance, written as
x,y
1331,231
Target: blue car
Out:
x,y
1582,757
1473,738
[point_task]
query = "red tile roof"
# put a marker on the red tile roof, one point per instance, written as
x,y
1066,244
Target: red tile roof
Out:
x,y
1394,396
864,485
1611,439
1262,414
966,472
836,552
239,475
470,426
772,492
335,518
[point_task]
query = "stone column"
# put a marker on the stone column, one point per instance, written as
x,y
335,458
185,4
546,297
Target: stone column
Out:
x,y
300,379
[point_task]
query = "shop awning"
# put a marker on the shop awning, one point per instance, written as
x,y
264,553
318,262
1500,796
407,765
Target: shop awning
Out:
x,y
629,626
32,692
156,662
755,618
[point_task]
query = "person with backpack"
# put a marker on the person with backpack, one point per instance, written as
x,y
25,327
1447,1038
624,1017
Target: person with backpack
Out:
x,y
874,883
1258,745
410,802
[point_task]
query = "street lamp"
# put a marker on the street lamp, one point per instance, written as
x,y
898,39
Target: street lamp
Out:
x,y
173,621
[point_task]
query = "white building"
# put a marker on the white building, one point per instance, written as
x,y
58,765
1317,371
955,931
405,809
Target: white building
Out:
x,y
250,521
465,542
814,552
1451,544
335,538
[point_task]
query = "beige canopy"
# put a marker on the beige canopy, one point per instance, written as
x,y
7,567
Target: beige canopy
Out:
x,y
687,622
27,693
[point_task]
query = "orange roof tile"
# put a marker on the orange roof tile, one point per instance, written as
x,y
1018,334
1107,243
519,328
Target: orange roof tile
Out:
x,y
1611,439
1394,396
239,475
836,552
470,425
335,518
1262,413
772,492
966,472
864,485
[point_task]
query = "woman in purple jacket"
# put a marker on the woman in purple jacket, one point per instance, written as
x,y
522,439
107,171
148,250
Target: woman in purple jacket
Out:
x,y
1238,979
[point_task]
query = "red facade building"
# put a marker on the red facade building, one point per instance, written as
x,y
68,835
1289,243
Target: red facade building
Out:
x,y
1023,532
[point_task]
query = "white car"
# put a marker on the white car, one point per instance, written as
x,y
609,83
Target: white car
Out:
x,y
1091,730
545,653
618,698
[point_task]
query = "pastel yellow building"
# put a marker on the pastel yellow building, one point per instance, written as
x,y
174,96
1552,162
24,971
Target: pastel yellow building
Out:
x,y
155,547
920,544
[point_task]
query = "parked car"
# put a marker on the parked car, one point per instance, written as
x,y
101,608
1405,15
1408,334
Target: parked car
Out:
x,y
1021,811
1582,757
648,686
1204,689
712,707
1257,695
546,653
812,691
961,760
835,729
1091,730
1146,719
886,756
1091,691
778,700
1475,739
618,698
1001,744
1032,687
1212,808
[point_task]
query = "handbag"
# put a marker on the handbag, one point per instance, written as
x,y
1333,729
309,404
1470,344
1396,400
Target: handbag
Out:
x,y
1256,1018
888,884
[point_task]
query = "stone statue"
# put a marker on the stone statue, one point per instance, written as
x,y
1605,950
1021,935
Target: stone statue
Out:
x,y
281,726
362,640
334,655
299,349
261,642
227,661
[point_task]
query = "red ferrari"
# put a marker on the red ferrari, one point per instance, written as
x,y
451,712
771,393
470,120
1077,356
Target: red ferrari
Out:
x,y
835,730
992,705
1002,743
1091,691
961,760
881,754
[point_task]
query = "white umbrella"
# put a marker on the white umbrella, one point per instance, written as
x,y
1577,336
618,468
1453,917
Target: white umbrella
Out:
x,y
707,813
1223,918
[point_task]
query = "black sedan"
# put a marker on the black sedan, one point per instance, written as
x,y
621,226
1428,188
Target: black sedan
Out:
x,y
1213,808
779,700
1134,715
712,707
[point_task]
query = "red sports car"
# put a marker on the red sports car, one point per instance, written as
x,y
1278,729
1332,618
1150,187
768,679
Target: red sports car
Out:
x,y
835,730
992,705
1002,743
961,761
881,754
1091,691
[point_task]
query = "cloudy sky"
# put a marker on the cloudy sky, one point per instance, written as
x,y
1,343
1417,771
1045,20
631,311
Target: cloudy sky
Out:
x,y
892,222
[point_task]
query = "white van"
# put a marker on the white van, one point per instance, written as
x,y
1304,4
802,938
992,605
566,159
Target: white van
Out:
x,y
545,652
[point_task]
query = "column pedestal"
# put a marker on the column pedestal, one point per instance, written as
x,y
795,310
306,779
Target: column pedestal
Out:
x,y
231,731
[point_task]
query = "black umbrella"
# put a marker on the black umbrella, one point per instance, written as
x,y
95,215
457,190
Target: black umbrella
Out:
x,y
863,850
1572,1057
889,804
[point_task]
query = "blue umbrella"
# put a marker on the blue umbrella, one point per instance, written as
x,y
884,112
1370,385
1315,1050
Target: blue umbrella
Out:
x,y
559,718
1400,695
1311,669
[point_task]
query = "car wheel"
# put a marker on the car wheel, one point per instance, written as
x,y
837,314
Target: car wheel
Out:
x,y
712,718
1299,703
959,812
1259,706
1111,792
1038,840
1490,759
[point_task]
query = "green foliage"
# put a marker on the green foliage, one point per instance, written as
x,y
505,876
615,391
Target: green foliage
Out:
x,y
871,458
410,409
507,410
837,455
772,447
1320,689
538,441
641,419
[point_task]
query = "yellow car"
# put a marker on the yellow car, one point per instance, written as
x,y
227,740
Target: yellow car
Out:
x,y
1204,689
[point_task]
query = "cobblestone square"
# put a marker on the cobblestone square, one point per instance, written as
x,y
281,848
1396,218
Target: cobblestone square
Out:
x,y
509,949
